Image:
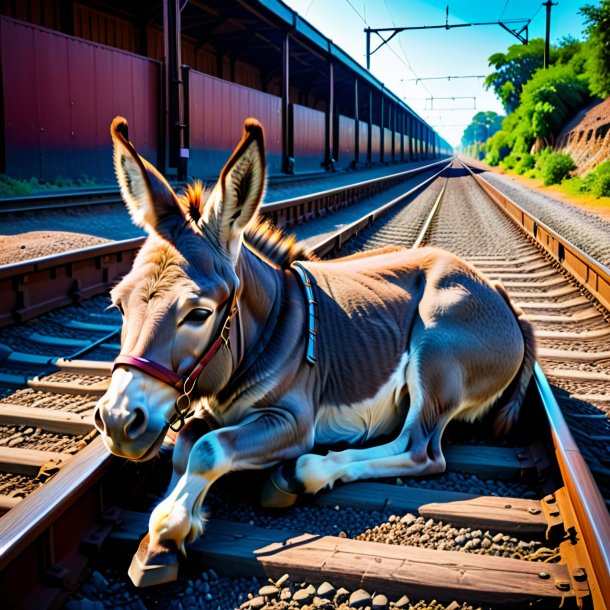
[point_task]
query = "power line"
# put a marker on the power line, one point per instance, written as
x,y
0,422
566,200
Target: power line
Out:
x,y
308,8
402,48
356,11
503,10
397,30
450,109
445,77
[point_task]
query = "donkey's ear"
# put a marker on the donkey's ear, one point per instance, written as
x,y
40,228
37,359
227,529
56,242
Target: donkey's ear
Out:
x,y
240,188
149,198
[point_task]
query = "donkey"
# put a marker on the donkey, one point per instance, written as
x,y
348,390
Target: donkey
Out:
x,y
276,356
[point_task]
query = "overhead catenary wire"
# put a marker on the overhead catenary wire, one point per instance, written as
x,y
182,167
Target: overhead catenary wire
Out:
x,y
408,63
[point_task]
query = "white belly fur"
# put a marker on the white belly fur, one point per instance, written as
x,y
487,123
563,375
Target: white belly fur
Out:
x,y
360,421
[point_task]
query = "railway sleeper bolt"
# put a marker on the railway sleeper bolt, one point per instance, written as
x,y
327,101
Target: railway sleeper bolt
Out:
x,y
562,585
579,575
92,541
544,575
57,576
111,515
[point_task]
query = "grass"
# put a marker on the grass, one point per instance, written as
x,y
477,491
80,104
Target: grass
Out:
x,y
11,187
569,190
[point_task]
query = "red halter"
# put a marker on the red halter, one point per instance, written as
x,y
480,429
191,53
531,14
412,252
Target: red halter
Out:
x,y
183,383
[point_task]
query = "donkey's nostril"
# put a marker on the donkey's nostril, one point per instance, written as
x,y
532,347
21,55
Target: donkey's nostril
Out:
x,y
97,419
137,423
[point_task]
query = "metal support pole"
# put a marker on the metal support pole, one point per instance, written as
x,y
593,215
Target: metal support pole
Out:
x,y
356,124
177,154
369,144
382,131
547,41
329,161
287,160
368,48
402,136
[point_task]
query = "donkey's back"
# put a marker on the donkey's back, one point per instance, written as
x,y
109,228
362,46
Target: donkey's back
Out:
x,y
410,339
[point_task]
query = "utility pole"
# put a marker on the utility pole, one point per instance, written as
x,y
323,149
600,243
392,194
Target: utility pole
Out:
x,y
522,34
547,42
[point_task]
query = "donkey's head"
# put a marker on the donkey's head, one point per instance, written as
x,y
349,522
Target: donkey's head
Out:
x,y
179,297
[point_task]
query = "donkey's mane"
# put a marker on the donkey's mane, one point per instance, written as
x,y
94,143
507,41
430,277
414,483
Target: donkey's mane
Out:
x,y
262,236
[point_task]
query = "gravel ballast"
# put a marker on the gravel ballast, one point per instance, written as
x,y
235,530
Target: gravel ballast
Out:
x,y
589,232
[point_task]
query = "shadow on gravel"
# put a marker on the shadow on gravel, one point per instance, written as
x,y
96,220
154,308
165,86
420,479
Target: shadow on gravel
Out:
x,y
456,172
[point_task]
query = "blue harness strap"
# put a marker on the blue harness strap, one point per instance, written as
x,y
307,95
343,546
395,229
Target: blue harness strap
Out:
x,y
312,313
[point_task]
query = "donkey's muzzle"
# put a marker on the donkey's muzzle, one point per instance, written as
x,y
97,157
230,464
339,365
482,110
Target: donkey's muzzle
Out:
x,y
132,424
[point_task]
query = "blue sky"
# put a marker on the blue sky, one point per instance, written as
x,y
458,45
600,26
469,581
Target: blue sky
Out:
x,y
426,53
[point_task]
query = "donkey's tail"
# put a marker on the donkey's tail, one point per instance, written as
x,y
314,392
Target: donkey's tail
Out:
x,y
508,414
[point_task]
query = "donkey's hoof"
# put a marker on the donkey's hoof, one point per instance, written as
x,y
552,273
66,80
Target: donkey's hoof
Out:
x,y
154,564
275,492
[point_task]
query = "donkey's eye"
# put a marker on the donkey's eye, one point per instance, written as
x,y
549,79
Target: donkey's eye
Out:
x,y
197,315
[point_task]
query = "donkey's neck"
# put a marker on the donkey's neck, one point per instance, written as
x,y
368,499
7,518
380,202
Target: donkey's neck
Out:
x,y
261,293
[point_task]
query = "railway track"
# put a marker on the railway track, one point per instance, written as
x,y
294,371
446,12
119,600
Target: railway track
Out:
x,y
532,490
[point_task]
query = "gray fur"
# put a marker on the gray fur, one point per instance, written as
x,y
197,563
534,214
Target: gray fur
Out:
x,y
408,340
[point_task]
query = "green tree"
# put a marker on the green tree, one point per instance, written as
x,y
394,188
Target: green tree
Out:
x,y
482,126
597,20
548,101
513,69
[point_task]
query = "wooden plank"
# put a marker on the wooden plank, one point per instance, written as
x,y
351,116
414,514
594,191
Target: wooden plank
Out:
x,y
7,502
510,515
47,385
85,367
369,495
28,461
488,462
239,549
514,515
52,420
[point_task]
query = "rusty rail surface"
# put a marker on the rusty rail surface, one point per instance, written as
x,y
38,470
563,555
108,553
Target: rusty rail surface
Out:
x,y
47,538
581,505
338,238
36,286
591,274
306,207
59,200
25,540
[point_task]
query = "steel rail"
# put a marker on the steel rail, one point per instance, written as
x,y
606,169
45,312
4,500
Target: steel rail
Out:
x,y
590,515
59,200
46,538
286,212
426,226
339,237
111,195
589,273
85,470
79,274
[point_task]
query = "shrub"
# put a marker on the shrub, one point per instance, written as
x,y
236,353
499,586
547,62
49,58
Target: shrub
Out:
x,y
553,166
525,163
9,187
597,182
574,185
519,161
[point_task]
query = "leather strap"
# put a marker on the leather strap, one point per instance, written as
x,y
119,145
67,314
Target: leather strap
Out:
x,y
183,383
158,371
312,312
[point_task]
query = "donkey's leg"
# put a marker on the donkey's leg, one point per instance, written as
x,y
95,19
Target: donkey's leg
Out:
x,y
260,441
435,399
185,440
416,451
